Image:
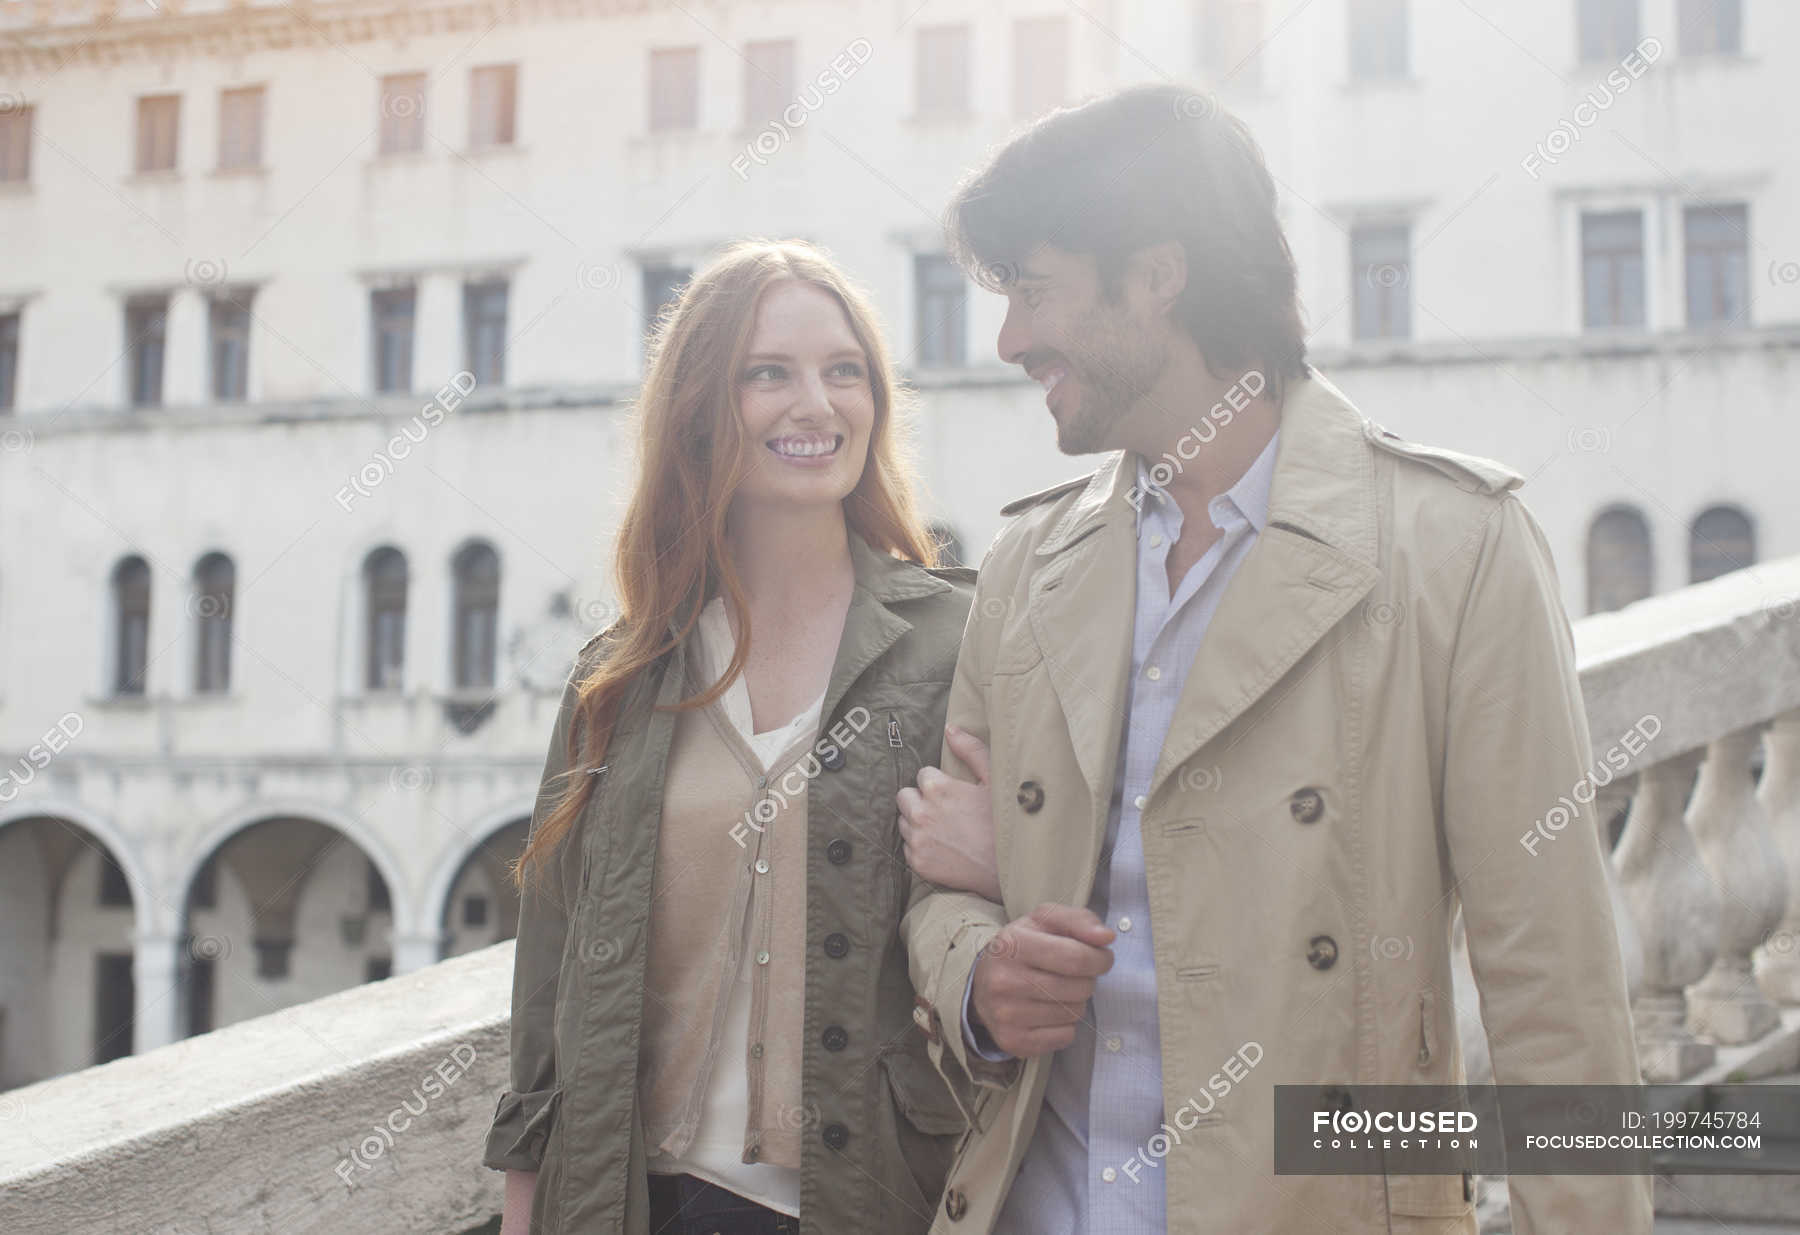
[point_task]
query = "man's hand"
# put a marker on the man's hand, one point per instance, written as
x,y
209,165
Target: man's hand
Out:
x,y
948,824
1033,981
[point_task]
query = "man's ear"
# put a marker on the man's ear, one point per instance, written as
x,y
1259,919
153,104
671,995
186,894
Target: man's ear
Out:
x,y
1160,272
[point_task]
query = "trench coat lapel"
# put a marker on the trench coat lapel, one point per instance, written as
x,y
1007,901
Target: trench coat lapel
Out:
x,y
1081,604
1313,562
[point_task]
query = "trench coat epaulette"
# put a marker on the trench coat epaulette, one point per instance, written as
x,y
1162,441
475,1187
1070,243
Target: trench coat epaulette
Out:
x,y
1470,472
1043,495
956,574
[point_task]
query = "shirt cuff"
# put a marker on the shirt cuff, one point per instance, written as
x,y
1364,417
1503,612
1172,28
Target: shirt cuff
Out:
x,y
976,1039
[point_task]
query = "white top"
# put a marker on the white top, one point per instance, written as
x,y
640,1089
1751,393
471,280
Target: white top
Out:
x,y
718,1149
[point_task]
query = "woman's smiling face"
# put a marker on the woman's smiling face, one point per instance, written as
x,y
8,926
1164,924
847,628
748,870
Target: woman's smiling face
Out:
x,y
804,395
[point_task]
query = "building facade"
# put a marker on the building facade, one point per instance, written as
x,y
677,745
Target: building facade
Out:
x,y
319,325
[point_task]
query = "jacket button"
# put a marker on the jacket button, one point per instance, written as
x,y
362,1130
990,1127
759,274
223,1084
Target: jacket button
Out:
x,y
833,759
1307,806
835,1037
838,852
1031,797
1321,952
837,947
955,1204
836,1136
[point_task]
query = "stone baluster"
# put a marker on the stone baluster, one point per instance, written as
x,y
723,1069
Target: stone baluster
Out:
x,y
1607,803
1676,912
1727,821
1778,964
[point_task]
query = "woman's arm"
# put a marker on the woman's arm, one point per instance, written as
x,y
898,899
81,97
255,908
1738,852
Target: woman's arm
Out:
x,y
948,824
515,1218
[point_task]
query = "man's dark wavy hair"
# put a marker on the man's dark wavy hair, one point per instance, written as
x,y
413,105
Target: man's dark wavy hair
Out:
x,y
1146,165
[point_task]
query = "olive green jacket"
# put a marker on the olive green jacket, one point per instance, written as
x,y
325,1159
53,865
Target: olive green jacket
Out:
x,y
880,1121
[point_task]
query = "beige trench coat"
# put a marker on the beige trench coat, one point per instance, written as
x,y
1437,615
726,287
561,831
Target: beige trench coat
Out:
x,y
1385,701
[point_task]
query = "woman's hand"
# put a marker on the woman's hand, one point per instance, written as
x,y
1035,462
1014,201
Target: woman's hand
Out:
x,y
948,824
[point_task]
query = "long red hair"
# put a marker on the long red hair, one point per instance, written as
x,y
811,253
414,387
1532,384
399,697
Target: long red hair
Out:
x,y
671,554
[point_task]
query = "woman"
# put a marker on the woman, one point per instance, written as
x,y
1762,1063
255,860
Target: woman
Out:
x,y
711,1018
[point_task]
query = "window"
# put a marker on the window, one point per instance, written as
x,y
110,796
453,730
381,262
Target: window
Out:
x,y
484,331
493,104
1377,40
1612,270
1710,27
402,113
240,128
940,322
662,288
768,81
1381,268
1618,559
9,361
1720,542
228,325
146,323
15,145
477,603
158,124
201,981
475,911
1231,35
941,72
1608,29
378,969
384,588
214,582
674,89
391,318
115,1006
1040,65
1718,265
131,623
273,957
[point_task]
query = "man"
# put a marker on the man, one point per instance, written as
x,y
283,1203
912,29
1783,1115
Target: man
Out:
x,y
1268,697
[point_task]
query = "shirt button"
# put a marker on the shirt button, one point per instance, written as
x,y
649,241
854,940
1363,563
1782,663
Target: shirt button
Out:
x,y
1139,801
762,866
1109,1174
762,958
1114,1042
1125,925
1153,673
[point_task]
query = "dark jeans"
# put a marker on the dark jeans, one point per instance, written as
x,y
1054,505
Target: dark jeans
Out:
x,y
683,1205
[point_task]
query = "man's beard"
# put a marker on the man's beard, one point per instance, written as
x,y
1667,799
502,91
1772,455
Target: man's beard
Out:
x,y
1116,365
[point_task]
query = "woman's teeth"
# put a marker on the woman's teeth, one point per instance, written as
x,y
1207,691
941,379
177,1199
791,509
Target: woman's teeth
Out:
x,y
805,446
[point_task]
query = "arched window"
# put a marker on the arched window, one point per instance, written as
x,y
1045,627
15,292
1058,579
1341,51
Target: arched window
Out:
x,y
1720,542
131,625
384,595
1618,559
214,582
476,606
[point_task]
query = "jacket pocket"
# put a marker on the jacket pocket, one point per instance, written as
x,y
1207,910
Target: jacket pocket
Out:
x,y
1430,1196
921,1095
1427,1027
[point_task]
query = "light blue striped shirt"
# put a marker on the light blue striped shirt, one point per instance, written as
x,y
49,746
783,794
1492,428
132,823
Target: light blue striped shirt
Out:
x,y
1104,1099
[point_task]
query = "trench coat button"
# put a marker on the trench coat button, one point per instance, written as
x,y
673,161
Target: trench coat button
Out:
x,y
1307,806
955,1204
836,1136
838,851
837,947
833,759
1031,797
1321,952
835,1037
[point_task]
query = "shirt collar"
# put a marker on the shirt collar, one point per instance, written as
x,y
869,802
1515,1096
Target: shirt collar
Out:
x,y
1249,495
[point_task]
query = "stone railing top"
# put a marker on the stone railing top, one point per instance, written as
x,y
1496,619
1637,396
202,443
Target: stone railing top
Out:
x,y
1705,660
365,1110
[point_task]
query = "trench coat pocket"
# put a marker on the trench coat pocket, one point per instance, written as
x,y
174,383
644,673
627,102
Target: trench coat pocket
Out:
x,y
1429,1196
521,1129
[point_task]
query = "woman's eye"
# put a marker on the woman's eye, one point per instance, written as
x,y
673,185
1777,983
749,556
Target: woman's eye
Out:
x,y
765,373
848,368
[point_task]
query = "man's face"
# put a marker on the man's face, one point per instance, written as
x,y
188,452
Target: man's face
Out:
x,y
1096,358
